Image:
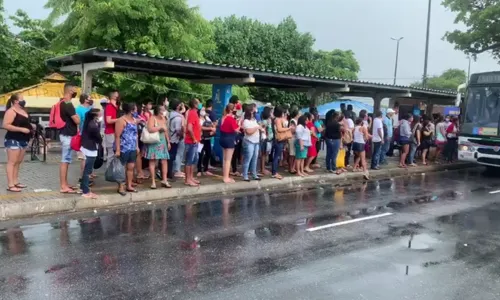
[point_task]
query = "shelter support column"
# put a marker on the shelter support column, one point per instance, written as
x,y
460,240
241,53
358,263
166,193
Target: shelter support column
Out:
x,y
377,100
87,71
429,108
221,93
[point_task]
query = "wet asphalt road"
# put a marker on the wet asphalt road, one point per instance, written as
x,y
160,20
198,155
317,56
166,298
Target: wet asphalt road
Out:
x,y
434,236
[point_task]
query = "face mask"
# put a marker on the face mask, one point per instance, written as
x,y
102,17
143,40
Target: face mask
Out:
x,y
200,106
22,103
73,95
447,120
203,113
100,119
164,113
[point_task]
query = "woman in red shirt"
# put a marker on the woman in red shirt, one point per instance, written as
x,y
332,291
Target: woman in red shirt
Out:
x,y
312,152
228,130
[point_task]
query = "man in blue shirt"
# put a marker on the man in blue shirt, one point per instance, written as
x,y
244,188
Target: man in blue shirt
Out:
x,y
82,109
388,134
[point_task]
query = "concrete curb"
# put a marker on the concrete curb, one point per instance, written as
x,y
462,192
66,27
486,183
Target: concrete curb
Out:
x,y
78,204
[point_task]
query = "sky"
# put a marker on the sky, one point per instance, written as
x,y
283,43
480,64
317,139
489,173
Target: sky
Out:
x,y
363,26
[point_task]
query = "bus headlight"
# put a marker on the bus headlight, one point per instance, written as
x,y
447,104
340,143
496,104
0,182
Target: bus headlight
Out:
x,y
466,148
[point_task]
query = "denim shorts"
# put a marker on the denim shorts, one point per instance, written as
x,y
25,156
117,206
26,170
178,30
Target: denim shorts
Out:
x,y
15,145
191,154
358,147
67,153
128,157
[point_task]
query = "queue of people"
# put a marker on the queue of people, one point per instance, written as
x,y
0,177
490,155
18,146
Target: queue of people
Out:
x,y
163,137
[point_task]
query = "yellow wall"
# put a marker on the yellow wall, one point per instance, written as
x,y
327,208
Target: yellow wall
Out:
x,y
45,94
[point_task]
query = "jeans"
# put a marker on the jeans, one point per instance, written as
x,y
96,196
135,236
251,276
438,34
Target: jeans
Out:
x,y
205,155
236,156
173,154
278,151
179,159
191,154
332,151
67,153
377,148
385,149
87,170
411,155
250,158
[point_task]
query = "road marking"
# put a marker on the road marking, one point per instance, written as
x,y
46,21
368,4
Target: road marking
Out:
x,y
495,192
348,222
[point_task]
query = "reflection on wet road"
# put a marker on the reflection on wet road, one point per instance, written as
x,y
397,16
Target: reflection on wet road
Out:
x,y
380,240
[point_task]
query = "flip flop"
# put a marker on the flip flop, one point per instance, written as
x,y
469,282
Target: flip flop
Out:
x,y
132,190
191,184
12,189
166,185
69,191
20,186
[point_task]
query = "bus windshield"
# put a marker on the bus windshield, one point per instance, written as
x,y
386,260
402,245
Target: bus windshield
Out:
x,y
482,113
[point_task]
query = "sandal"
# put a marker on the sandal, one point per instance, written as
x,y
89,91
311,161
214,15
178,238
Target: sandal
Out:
x,y
13,189
20,186
121,193
191,184
153,187
277,176
132,190
69,191
89,196
166,185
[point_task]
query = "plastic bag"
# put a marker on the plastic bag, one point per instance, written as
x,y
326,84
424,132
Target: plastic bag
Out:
x,y
115,171
341,159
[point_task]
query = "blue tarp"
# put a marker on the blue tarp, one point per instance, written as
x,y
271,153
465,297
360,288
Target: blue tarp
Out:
x,y
357,106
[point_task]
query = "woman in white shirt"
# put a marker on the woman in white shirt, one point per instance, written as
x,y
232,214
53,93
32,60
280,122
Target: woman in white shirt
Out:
x,y
302,144
251,143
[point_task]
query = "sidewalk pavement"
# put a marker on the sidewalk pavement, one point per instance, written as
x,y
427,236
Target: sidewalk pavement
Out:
x,y
42,195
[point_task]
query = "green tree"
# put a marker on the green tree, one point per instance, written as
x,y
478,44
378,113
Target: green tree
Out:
x,y
450,79
482,29
158,27
21,62
282,47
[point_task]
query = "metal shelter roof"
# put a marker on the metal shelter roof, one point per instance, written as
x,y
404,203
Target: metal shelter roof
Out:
x,y
126,61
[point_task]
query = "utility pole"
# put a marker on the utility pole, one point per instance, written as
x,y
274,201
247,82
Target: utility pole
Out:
x,y
397,57
424,79
468,72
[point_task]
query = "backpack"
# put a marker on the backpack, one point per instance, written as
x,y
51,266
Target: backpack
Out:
x,y
55,120
173,132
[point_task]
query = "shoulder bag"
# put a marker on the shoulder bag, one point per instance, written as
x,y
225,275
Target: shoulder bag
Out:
x,y
150,138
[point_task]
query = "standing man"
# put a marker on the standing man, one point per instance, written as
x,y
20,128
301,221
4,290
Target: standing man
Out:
x,y
388,134
70,118
176,134
209,108
192,139
110,118
85,105
351,113
343,108
377,139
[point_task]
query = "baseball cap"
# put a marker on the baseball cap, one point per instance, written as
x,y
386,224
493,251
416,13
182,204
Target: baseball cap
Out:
x,y
390,111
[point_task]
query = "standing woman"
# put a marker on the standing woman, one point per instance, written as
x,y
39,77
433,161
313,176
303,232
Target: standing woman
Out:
x,y
279,143
158,151
91,138
267,138
228,130
127,146
440,136
311,151
302,143
405,135
251,143
318,125
207,132
452,140
416,140
294,117
426,138
333,135
360,137
16,122
181,147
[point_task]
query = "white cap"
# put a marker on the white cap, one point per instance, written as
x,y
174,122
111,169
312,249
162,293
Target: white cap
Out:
x,y
390,111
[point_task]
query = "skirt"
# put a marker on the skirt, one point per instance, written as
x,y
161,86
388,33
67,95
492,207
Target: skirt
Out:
x,y
301,154
312,151
157,151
